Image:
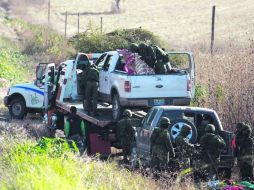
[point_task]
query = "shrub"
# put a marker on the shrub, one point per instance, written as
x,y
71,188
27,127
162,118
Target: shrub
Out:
x,y
229,80
201,95
13,63
51,164
42,43
94,41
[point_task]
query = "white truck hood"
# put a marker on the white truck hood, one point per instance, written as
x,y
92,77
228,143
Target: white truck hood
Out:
x,y
28,87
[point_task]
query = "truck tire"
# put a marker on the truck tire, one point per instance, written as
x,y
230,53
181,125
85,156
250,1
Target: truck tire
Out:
x,y
176,126
17,108
116,107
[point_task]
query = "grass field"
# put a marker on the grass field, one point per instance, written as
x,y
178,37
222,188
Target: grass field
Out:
x,y
182,23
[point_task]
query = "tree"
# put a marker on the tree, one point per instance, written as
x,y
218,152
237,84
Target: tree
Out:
x,y
118,4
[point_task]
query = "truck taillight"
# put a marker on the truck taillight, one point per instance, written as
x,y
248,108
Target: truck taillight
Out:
x,y
127,86
189,85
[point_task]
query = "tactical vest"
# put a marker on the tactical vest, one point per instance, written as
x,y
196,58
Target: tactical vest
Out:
x,y
75,125
93,75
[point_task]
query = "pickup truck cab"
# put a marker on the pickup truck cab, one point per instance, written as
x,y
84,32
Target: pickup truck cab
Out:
x,y
196,117
29,97
124,90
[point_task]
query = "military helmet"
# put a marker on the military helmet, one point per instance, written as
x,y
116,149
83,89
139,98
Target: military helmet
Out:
x,y
133,48
239,125
142,46
210,128
186,128
246,127
127,113
164,121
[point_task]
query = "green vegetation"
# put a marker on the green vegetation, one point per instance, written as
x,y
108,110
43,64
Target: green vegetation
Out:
x,y
35,44
93,40
41,42
201,95
51,164
13,62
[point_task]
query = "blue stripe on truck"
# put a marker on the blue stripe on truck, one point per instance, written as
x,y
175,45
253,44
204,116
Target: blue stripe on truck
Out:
x,y
31,89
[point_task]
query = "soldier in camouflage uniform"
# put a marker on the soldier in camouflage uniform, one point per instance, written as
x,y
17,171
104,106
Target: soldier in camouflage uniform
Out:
x,y
83,79
126,134
162,59
92,89
184,148
147,54
245,153
161,146
211,145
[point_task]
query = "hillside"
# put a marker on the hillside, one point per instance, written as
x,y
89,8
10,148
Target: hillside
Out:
x,y
181,23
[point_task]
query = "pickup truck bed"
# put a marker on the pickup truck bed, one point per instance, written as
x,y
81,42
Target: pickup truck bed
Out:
x,y
104,112
102,120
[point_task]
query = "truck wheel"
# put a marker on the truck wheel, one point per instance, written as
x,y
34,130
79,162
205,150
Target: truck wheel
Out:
x,y
17,108
176,126
116,107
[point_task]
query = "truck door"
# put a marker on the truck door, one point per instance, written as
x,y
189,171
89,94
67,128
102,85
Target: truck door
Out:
x,y
184,61
144,133
45,75
81,63
104,76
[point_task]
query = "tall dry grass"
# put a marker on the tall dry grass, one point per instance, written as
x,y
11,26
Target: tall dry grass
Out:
x,y
228,78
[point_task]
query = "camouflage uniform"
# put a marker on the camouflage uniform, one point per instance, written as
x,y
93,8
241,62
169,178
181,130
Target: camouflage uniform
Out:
x,y
184,148
83,79
74,130
237,139
133,48
161,60
212,146
126,133
147,54
245,153
92,89
161,146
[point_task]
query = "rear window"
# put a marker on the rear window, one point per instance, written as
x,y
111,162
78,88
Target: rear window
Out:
x,y
172,115
149,117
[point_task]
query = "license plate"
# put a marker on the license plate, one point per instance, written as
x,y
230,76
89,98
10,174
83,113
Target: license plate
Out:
x,y
158,102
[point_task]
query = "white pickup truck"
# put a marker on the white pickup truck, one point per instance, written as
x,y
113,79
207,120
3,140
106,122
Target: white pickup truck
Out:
x,y
123,90
29,98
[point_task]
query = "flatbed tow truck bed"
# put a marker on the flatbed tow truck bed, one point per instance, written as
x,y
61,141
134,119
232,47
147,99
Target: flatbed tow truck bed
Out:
x,y
104,117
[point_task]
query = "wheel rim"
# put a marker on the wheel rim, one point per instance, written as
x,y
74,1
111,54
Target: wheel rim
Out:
x,y
115,108
16,109
176,129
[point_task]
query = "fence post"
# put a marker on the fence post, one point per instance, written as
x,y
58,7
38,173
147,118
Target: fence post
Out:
x,y
48,11
65,29
78,23
101,24
212,33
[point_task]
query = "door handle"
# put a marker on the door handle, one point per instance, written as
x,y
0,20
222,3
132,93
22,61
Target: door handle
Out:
x,y
159,86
